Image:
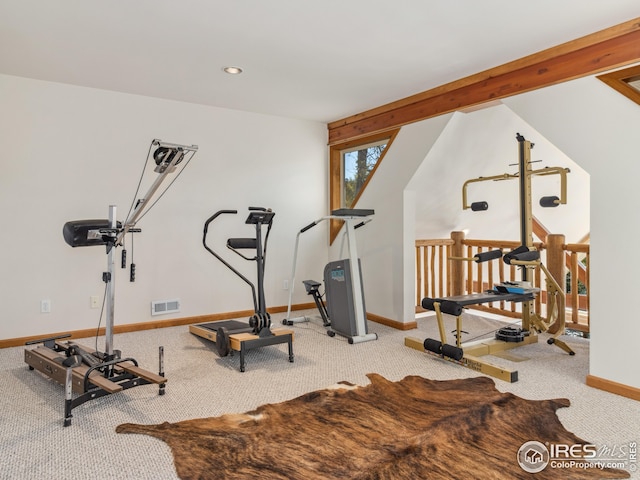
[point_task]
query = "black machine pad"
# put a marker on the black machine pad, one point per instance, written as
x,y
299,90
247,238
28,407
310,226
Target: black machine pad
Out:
x,y
352,212
478,298
85,233
549,202
233,326
479,206
446,306
237,243
487,256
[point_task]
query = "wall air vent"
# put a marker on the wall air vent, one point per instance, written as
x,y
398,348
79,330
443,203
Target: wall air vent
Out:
x,y
160,307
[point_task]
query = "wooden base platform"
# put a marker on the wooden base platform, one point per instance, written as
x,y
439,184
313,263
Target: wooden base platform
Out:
x,y
474,350
244,341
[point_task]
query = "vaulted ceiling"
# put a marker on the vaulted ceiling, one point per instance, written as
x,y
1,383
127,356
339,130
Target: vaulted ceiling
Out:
x,y
319,60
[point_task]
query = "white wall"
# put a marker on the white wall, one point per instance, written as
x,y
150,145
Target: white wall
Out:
x,y
597,127
483,144
422,176
69,152
386,244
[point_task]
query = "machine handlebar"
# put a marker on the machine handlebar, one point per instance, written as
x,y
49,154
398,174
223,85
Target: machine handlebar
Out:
x,y
361,224
520,254
311,225
487,256
214,216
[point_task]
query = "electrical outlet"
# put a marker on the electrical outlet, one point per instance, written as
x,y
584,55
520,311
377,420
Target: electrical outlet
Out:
x,y
94,301
285,285
45,306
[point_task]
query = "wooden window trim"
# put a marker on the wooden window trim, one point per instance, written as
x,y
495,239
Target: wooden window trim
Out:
x,y
619,79
335,173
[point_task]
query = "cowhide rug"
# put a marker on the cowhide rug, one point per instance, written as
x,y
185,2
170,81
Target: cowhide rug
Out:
x,y
411,429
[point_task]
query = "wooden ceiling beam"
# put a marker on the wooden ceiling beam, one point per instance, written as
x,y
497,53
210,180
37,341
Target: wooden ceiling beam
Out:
x,y
595,53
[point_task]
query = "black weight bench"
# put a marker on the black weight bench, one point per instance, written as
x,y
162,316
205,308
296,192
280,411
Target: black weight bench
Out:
x,y
454,306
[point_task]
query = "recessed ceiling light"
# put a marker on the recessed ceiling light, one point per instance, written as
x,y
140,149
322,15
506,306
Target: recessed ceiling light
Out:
x,y
233,70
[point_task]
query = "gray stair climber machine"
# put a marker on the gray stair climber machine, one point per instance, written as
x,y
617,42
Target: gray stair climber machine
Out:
x,y
345,311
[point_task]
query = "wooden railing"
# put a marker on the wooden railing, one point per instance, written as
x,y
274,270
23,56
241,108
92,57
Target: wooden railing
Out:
x,y
437,275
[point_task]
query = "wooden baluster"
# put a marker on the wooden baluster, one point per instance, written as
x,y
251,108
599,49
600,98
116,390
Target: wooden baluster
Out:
x,y
441,261
433,271
556,266
575,299
419,295
469,270
457,268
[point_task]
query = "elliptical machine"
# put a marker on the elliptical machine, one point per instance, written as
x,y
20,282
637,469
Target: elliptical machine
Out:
x,y
228,335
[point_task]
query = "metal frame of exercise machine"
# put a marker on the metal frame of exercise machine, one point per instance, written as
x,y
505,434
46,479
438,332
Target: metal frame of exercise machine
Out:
x,y
349,322
232,335
94,374
527,258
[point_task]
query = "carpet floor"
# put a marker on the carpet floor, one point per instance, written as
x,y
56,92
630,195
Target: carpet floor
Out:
x,y
35,445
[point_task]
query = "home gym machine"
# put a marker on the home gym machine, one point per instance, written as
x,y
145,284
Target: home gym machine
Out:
x,y
232,335
94,374
345,311
527,258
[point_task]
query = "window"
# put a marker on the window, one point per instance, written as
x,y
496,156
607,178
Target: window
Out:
x,y
352,165
357,164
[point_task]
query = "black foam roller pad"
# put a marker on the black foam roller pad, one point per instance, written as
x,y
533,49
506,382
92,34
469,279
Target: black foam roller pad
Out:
x,y
85,233
432,345
528,256
452,308
241,243
549,202
427,303
452,352
479,206
446,306
486,256
509,256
